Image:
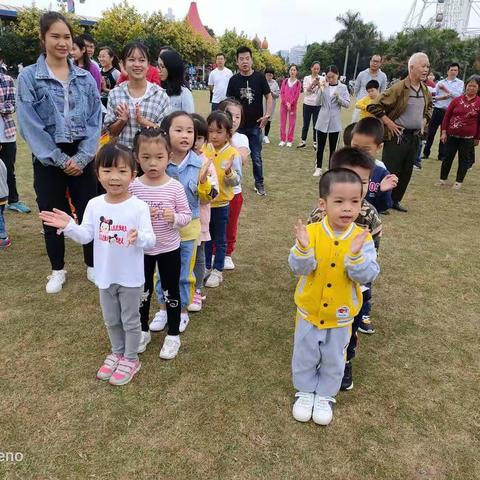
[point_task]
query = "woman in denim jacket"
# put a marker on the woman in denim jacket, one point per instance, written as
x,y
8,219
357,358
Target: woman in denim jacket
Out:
x,y
59,115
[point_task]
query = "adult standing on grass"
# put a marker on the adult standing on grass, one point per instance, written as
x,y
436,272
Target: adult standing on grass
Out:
x,y
332,98
373,72
59,115
445,91
404,109
311,103
289,93
461,132
218,81
172,75
275,91
8,141
250,88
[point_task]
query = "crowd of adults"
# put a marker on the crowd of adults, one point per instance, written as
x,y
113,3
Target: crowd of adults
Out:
x,y
119,97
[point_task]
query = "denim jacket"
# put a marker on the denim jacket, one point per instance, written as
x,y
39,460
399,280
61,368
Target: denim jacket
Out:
x,y
40,102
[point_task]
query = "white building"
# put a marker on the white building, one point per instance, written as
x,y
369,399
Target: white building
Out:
x,y
297,53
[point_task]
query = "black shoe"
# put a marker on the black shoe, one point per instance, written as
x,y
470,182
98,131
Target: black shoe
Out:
x,y
385,212
366,326
347,380
398,207
260,189
425,156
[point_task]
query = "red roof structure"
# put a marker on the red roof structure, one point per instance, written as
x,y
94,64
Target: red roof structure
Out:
x,y
193,18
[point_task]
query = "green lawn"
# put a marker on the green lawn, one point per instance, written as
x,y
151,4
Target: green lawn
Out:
x,y
222,408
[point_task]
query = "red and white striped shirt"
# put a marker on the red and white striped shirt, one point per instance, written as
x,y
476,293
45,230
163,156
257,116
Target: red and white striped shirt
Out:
x,y
169,195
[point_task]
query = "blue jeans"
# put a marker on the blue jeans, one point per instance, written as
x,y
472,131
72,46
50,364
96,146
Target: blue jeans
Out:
x,y
214,106
218,232
3,230
254,135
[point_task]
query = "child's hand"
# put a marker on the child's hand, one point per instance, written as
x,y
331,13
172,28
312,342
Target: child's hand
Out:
x,y
132,236
228,165
388,183
301,234
204,171
358,241
57,218
123,112
168,215
154,211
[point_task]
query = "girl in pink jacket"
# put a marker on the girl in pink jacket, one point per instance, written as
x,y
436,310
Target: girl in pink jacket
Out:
x,y
289,93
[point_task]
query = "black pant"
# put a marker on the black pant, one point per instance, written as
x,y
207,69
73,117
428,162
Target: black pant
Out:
x,y
267,128
464,147
8,154
309,111
365,310
399,156
169,270
322,141
51,184
435,122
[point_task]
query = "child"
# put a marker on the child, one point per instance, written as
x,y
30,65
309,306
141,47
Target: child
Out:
x,y
119,225
201,133
333,258
170,211
186,167
372,88
240,142
227,163
289,93
4,240
362,164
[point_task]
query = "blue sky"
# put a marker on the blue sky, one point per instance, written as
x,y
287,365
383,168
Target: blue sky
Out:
x,y
285,23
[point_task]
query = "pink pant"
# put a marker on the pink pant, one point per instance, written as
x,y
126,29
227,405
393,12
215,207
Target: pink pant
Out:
x,y
292,117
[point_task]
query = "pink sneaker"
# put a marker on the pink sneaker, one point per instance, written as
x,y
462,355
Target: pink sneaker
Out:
x,y
196,304
109,366
125,371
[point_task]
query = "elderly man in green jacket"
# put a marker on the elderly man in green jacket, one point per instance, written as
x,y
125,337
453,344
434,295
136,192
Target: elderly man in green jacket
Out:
x,y
405,109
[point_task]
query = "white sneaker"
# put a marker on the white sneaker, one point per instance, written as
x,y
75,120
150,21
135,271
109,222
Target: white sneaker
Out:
x,y
281,144
317,172
315,145
228,264
159,321
144,341
266,140
322,410
289,144
215,279
184,319
56,281
170,347
91,275
303,406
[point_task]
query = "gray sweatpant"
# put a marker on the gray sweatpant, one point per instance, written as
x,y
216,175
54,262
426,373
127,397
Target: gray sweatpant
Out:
x,y
199,269
318,360
120,307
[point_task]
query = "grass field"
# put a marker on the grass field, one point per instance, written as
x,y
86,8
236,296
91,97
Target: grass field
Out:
x,y
222,408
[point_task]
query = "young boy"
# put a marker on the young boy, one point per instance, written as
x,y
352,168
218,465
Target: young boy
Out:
x,y
372,88
4,240
333,258
362,164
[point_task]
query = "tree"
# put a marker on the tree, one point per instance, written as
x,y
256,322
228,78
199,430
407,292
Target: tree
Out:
x,y
317,52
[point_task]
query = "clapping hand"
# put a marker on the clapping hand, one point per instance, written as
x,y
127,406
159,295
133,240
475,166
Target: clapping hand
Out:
x,y
132,236
228,165
154,211
56,218
301,234
358,241
204,171
388,183
168,215
123,112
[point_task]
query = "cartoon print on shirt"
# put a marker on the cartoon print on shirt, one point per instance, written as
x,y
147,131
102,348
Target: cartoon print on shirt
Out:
x,y
107,227
247,94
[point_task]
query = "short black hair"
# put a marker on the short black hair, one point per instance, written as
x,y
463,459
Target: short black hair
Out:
x,y
88,38
337,175
347,134
150,133
222,119
111,154
352,157
333,69
454,64
220,54
476,79
270,70
371,127
372,84
243,49
200,125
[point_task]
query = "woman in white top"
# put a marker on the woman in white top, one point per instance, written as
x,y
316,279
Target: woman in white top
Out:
x,y
172,75
311,105
332,97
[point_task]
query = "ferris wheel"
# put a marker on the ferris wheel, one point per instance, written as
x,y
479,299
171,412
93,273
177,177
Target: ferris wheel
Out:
x,y
454,14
